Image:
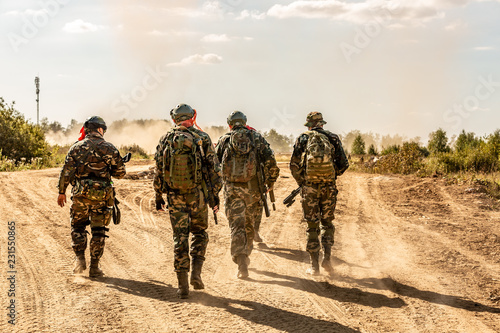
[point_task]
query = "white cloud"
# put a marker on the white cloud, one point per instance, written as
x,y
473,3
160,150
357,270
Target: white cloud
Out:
x,y
212,38
80,26
199,59
359,12
253,14
484,48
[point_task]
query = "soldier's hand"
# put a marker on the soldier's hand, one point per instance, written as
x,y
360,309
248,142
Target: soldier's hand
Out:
x,y
61,200
270,188
216,209
160,204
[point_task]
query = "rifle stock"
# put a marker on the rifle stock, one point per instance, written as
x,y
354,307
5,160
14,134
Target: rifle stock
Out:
x,y
273,199
290,199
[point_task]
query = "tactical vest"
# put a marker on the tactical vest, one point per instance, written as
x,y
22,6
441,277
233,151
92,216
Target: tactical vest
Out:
x,y
318,158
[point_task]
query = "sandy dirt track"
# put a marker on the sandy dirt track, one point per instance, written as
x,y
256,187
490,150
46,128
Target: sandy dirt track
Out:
x,y
410,255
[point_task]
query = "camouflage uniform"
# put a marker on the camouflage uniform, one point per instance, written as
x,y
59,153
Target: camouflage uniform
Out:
x,y
242,201
188,209
89,160
318,199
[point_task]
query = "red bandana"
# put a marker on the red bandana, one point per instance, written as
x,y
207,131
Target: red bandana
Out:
x,y
82,134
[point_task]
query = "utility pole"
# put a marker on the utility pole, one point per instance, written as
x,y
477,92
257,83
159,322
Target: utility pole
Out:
x,y
37,84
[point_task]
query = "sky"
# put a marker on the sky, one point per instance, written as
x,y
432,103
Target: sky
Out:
x,y
386,67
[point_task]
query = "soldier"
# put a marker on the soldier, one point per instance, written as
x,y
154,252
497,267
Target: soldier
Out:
x,y
317,159
240,152
89,166
188,172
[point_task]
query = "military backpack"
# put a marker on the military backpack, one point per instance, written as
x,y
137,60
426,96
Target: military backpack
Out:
x,y
239,161
182,160
318,158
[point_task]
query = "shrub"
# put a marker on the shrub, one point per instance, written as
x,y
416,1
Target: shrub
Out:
x,y
136,150
20,140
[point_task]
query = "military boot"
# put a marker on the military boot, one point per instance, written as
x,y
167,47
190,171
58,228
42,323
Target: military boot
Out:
x,y
94,270
183,291
314,269
80,264
326,264
243,262
196,281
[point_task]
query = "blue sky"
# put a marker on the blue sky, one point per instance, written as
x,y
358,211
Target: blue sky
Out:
x,y
385,67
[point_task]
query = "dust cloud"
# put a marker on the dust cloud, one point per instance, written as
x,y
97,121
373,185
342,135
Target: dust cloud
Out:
x,y
145,135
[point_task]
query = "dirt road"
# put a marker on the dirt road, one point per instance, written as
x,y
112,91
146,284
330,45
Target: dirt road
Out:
x,y
410,255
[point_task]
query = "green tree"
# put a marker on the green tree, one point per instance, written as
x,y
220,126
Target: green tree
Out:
x,y
279,143
438,142
372,150
466,140
54,126
494,143
358,146
18,138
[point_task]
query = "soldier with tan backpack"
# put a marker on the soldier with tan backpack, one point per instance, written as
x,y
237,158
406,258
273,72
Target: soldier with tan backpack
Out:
x,y
317,160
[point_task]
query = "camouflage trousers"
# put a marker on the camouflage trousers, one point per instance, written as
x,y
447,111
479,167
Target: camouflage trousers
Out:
x,y
97,214
243,209
188,214
318,204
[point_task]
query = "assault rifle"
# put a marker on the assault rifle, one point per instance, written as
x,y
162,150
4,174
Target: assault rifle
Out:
x,y
117,215
290,199
208,188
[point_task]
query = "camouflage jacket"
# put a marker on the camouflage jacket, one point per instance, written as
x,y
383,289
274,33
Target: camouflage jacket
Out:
x,y
296,162
92,157
160,186
266,154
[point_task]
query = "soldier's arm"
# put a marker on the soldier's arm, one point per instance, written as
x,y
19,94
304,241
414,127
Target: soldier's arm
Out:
x,y
117,165
67,172
271,168
341,161
220,147
213,164
158,180
296,160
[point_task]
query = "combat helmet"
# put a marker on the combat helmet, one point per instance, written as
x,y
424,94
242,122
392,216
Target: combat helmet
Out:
x,y
182,112
237,118
93,123
314,118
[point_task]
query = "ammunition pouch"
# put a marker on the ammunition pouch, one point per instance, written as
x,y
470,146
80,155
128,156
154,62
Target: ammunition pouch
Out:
x,y
94,189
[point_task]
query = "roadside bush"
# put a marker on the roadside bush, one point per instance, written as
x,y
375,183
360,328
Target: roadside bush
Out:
x,y
409,159
20,140
137,151
392,149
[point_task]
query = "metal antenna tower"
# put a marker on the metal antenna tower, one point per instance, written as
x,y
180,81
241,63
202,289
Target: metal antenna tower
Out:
x,y
37,84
